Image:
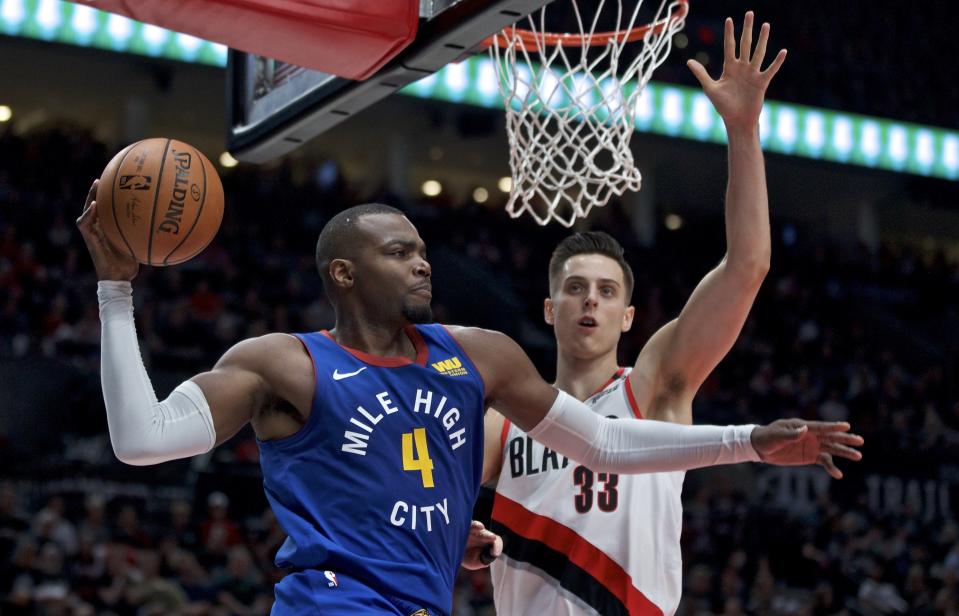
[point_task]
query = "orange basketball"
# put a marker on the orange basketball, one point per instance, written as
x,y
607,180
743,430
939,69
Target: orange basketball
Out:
x,y
160,200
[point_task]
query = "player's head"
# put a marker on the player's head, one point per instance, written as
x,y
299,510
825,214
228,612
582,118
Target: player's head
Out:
x,y
590,288
371,255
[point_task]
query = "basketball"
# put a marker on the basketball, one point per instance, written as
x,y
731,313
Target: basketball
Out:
x,y
160,200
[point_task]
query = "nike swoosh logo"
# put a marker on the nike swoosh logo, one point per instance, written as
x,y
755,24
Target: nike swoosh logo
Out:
x,y
339,376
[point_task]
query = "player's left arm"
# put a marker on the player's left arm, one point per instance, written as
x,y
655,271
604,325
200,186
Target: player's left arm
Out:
x,y
680,356
514,388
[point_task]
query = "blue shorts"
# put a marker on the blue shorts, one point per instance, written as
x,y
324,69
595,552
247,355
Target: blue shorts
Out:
x,y
324,593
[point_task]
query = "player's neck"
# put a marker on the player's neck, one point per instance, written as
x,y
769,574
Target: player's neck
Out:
x,y
581,378
386,340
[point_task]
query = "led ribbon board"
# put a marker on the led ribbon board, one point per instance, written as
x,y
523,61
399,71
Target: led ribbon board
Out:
x,y
76,24
662,109
785,128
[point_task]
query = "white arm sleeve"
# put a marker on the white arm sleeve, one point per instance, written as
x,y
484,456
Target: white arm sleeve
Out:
x,y
142,430
633,446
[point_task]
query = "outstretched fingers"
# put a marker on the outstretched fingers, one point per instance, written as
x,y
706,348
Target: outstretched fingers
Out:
x,y
773,68
746,40
825,460
826,427
846,438
729,42
760,52
836,434
699,72
838,449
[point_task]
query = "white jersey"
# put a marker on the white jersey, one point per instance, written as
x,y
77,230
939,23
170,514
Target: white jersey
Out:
x,y
585,543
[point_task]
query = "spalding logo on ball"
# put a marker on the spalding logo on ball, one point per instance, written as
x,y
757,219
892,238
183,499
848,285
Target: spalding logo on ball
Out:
x,y
160,201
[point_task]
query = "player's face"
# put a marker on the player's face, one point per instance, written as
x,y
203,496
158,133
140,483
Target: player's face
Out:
x,y
588,308
393,271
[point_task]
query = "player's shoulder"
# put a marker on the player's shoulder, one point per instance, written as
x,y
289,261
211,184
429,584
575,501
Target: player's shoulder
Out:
x,y
484,346
494,354
263,352
477,335
268,342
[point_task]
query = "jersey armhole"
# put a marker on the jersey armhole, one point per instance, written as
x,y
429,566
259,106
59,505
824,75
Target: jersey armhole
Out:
x,y
316,375
307,427
631,399
503,434
479,375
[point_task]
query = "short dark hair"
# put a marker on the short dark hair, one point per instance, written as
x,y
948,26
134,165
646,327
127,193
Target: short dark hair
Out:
x,y
338,238
590,243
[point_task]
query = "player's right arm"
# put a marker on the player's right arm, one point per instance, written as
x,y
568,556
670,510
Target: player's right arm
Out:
x,y
246,381
199,413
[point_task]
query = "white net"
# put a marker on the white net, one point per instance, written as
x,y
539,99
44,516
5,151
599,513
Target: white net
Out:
x,y
570,110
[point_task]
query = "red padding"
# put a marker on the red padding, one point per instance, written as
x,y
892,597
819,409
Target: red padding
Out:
x,y
349,38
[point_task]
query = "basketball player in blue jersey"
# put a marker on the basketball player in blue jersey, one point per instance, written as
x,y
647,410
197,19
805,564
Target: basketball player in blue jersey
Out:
x,y
371,434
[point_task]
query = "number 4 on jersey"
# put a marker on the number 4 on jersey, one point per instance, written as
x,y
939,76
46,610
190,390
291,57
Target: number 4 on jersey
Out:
x,y
422,461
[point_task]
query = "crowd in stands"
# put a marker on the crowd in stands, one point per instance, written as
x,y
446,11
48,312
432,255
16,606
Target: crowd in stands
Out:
x,y
878,58
106,558
883,58
838,333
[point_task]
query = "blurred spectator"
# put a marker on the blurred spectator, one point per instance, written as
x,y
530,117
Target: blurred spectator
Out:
x,y
128,531
50,525
12,520
93,526
240,588
154,594
183,530
218,532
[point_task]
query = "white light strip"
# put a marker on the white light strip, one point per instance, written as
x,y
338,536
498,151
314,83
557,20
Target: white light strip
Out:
x,y
662,109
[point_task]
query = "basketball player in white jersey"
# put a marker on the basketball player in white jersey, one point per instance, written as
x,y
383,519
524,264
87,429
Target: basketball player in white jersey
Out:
x,y
586,543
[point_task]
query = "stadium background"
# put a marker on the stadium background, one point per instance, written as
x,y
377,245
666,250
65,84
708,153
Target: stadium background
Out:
x,y
856,320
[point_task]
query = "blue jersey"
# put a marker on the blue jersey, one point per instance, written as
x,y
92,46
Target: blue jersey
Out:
x,y
378,486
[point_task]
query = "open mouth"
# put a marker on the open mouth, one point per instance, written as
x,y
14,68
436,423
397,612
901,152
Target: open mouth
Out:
x,y
587,322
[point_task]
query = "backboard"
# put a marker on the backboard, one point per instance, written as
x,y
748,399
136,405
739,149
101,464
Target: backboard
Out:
x,y
275,107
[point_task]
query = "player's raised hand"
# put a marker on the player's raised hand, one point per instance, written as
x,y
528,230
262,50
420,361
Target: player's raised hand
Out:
x,y
109,263
739,92
482,547
795,442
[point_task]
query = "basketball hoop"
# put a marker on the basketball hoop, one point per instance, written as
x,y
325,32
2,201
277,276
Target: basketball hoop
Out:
x,y
570,119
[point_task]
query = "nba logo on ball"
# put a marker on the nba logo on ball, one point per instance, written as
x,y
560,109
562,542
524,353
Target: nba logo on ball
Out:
x,y
160,201
332,579
135,182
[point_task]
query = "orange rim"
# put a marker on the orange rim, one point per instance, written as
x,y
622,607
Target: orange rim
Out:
x,y
531,41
